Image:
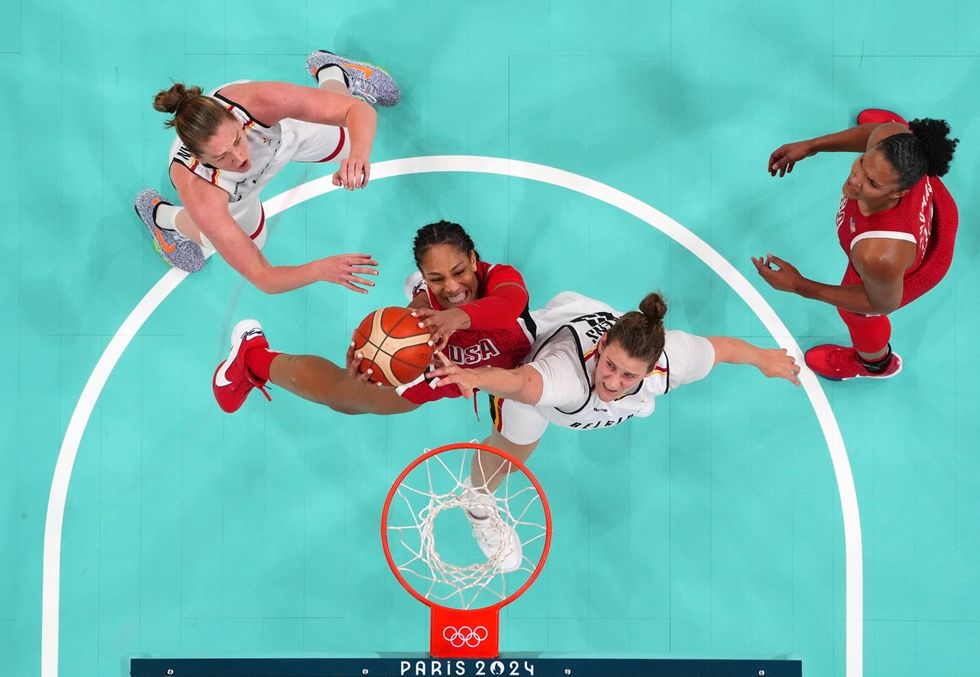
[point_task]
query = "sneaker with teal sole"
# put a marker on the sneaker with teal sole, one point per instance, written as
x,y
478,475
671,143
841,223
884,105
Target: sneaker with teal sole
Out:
x,y
174,248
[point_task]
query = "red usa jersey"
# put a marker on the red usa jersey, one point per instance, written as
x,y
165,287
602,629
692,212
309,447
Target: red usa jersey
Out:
x,y
493,342
909,220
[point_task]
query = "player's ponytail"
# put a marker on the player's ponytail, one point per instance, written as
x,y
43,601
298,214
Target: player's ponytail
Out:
x,y
195,117
641,332
442,232
926,150
939,148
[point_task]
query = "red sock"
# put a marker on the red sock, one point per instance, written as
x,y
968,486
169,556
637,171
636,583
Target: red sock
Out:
x,y
258,361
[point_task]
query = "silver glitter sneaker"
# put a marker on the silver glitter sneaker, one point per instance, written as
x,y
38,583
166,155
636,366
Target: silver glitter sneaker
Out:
x,y
365,80
173,247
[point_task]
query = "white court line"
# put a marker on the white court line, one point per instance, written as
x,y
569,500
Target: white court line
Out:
x,y
854,584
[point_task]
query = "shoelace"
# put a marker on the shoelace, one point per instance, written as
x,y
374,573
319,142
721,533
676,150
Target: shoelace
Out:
x,y
362,93
493,539
255,382
264,391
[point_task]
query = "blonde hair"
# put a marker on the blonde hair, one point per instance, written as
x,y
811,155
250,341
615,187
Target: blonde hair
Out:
x,y
196,117
641,332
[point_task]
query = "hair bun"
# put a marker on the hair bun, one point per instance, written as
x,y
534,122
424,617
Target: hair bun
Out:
x,y
654,307
170,100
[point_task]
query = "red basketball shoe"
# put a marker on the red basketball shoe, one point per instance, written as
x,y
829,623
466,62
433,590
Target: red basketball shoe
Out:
x,y
840,363
232,381
879,115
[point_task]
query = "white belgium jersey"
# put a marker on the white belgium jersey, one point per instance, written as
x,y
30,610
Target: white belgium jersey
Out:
x,y
270,148
565,354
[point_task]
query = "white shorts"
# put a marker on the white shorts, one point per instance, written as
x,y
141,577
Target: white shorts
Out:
x,y
313,142
518,422
301,142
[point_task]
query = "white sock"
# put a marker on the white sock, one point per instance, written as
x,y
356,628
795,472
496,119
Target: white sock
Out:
x,y
166,216
329,73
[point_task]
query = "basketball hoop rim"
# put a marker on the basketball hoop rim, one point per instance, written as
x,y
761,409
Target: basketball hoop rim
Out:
x,y
451,447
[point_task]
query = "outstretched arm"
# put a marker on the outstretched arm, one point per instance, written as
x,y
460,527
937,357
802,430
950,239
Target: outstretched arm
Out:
x,y
207,207
523,384
881,263
272,102
773,362
856,140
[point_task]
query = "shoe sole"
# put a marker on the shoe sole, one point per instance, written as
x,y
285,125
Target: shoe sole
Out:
x,y
150,227
898,371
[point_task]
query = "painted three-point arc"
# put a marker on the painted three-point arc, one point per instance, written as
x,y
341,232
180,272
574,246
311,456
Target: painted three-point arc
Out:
x,y
853,550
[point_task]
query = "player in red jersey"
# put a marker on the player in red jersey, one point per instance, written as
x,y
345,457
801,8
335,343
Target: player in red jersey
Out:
x,y
896,223
474,310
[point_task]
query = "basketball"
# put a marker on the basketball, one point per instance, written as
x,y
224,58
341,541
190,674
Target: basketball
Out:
x,y
393,345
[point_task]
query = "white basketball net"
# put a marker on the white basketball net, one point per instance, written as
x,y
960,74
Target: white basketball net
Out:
x,y
435,488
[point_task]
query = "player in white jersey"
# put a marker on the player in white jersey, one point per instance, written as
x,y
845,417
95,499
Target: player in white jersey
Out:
x,y
232,141
592,367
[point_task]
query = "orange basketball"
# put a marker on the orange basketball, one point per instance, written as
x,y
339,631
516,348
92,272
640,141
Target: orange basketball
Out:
x,y
393,345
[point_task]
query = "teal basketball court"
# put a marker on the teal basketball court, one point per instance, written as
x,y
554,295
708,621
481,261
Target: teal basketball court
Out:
x,y
612,149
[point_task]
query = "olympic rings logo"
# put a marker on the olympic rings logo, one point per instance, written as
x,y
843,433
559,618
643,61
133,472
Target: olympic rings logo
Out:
x,y
471,637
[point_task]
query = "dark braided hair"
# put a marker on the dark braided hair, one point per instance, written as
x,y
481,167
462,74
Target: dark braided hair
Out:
x,y
442,232
927,150
641,333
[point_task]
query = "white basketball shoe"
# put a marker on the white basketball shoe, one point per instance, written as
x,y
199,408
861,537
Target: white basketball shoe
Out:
x,y
497,539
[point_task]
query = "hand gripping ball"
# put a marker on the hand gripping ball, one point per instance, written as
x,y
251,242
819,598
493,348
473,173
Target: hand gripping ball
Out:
x,y
394,347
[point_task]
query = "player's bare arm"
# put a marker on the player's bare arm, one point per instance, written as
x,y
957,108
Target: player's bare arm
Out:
x,y
857,139
783,276
272,102
773,362
207,206
882,263
523,384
